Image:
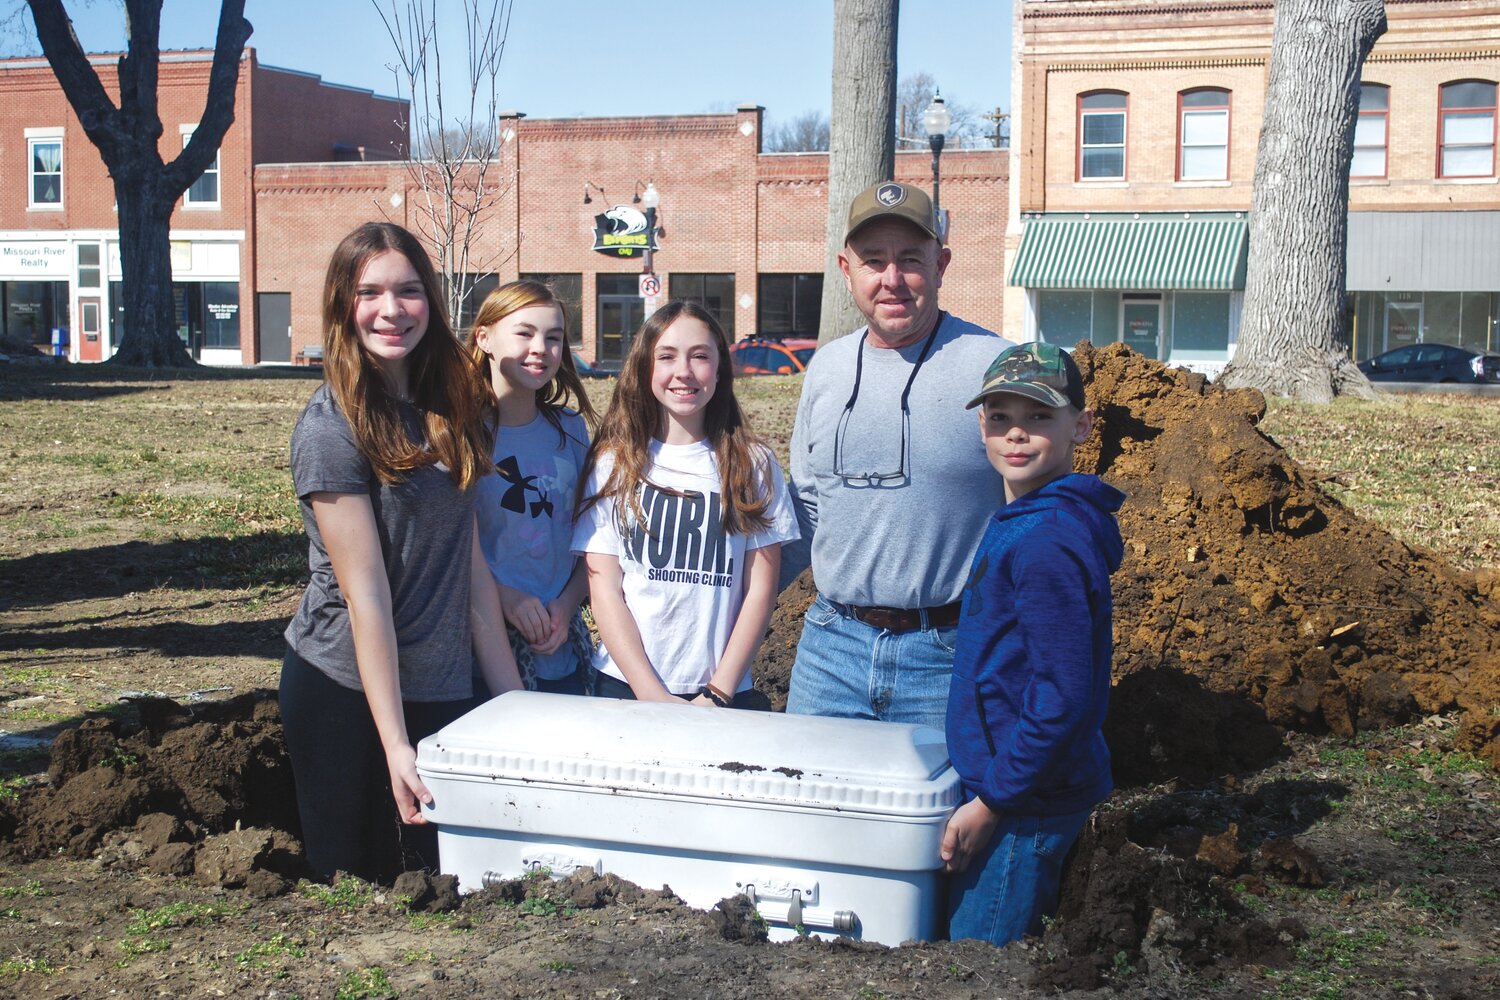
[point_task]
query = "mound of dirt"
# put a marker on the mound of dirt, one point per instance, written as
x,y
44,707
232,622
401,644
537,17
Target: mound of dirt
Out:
x,y
203,790
1248,602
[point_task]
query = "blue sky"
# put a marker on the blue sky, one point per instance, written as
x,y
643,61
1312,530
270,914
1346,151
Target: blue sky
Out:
x,y
595,57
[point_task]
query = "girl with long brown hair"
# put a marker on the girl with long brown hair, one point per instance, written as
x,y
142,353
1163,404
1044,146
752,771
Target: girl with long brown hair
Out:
x,y
682,521
518,346
400,603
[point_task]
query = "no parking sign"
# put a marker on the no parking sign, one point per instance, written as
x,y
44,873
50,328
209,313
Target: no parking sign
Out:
x,y
650,286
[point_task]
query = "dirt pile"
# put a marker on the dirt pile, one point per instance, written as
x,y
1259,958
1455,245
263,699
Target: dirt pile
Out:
x,y
202,790
1249,601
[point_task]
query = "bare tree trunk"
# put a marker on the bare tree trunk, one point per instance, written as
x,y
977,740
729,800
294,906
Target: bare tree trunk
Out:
x,y
861,148
146,188
1294,284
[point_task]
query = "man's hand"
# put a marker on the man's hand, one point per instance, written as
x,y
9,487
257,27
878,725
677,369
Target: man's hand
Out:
x,y
968,832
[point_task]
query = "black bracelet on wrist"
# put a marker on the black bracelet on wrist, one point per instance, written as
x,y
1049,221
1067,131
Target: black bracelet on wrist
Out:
x,y
708,692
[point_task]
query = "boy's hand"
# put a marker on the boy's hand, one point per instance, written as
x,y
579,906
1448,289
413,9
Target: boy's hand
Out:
x,y
968,832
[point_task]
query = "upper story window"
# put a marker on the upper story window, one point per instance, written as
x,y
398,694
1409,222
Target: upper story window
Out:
x,y
1101,135
1203,135
1370,131
204,192
44,157
1466,129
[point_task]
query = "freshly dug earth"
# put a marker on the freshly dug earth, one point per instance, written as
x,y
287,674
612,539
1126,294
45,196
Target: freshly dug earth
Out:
x,y
1267,839
1248,600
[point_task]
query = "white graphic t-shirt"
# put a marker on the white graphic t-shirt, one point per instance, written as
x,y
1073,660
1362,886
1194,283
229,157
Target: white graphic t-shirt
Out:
x,y
684,575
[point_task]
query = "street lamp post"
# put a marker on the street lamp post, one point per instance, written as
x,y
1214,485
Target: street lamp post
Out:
x,y
650,198
936,119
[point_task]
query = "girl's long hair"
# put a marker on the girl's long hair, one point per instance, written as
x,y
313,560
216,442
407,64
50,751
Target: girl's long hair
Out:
x,y
553,397
634,418
442,382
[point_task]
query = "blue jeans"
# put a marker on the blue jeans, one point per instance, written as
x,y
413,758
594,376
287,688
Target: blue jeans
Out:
x,y
1005,892
851,670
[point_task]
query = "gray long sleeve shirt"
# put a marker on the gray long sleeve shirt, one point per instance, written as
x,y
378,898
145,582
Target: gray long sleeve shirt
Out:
x,y
906,543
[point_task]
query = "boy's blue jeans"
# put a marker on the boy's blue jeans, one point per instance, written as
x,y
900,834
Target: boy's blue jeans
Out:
x,y
851,670
1005,892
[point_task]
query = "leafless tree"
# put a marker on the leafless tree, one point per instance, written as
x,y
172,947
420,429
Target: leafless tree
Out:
x,y
861,146
805,133
1294,284
454,158
146,188
913,94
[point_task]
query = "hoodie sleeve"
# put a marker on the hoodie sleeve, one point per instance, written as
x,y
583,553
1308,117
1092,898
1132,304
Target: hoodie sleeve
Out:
x,y
1053,603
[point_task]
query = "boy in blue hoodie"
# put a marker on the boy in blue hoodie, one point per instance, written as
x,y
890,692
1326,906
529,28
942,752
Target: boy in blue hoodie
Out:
x,y
1031,675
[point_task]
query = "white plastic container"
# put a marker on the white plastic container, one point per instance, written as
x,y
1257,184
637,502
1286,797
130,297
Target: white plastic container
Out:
x,y
831,826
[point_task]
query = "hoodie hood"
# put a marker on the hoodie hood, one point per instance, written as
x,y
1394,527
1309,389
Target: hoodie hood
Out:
x,y
1083,496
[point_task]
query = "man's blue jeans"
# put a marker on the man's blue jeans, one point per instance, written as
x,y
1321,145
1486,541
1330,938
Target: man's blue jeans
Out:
x,y
851,670
1005,892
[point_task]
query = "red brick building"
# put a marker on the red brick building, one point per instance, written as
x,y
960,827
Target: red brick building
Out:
x,y
59,245
305,162
1136,126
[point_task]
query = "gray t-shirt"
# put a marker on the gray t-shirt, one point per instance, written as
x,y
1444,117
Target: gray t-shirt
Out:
x,y
426,527
907,542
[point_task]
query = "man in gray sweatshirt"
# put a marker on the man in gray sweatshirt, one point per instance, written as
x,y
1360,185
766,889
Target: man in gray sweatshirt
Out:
x,y
891,486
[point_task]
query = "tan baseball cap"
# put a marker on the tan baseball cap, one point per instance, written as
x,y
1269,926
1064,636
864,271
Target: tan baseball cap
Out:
x,y
890,199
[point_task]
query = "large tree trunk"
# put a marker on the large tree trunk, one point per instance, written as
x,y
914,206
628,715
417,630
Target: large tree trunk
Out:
x,y
150,336
146,188
1294,284
862,145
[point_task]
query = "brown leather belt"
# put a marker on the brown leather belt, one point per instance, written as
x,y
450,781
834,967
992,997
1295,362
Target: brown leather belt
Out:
x,y
903,619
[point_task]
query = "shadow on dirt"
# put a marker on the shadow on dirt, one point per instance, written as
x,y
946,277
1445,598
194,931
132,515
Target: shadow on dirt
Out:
x,y
109,571
1165,725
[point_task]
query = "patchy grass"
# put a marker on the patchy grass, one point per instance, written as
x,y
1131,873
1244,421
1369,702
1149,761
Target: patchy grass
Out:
x,y
1426,468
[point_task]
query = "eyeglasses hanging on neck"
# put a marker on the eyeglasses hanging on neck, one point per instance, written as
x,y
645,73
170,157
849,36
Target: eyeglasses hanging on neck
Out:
x,y
900,473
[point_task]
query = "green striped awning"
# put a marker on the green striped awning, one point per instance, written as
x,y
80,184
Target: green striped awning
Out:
x,y
1132,254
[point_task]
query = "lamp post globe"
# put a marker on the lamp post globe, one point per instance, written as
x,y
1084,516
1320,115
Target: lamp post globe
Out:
x,y
937,119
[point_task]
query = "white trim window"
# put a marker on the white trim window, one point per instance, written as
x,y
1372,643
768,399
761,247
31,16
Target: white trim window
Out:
x,y
1204,135
44,168
1101,135
203,192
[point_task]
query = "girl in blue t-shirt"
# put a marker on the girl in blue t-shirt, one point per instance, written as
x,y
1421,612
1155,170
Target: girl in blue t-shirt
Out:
x,y
542,417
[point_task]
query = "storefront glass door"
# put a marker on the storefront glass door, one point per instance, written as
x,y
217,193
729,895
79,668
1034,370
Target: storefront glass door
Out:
x,y
1140,326
619,317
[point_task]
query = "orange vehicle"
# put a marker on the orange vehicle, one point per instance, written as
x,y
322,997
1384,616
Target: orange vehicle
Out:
x,y
768,356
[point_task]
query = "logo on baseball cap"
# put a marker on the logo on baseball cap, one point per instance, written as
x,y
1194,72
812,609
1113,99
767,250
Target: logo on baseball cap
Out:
x,y
1043,372
894,200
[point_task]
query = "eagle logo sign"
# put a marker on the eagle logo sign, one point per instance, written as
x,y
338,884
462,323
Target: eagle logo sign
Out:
x,y
890,195
624,220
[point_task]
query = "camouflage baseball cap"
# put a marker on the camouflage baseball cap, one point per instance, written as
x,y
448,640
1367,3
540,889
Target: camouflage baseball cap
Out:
x,y
894,200
1043,372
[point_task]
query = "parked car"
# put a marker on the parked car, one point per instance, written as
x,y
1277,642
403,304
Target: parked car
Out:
x,y
586,370
1432,363
769,356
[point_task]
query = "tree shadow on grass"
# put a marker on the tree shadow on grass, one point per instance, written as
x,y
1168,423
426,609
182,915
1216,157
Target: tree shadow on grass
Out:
x,y
109,571
167,638
80,383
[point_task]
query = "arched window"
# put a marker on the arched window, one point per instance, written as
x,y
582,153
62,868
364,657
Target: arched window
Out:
x,y
1466,129
1370,131
1101,135
1203,135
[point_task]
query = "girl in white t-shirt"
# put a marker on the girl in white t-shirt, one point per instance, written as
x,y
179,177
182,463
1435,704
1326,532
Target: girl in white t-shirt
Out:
x,y
681,521
525,511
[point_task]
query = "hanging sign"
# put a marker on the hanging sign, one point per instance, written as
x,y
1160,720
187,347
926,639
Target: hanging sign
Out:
x,y
624,231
